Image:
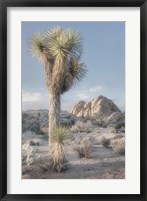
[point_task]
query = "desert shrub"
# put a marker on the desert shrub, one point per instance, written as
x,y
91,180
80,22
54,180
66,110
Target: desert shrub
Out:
x,y
58,149
105,142
112,130
66,123
82,127
72,121
118,136
122,129
44,130
42,163
100,123
88,131
84,119
31,156
32,143
84,147
34,121
24,157
119,125
118,146
91,138
40,132
74,129
94,122
30,124
24,117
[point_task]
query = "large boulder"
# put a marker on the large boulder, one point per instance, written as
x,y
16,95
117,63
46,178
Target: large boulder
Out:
x,y
115,117
77,108
101,107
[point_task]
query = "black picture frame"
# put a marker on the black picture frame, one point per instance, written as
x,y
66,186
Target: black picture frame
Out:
x,y
4,4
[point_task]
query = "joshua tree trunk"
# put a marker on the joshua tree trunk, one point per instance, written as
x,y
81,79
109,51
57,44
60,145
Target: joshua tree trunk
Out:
x,y
54,114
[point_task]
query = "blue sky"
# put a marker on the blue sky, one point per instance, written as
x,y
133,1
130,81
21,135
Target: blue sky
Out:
x,y
103,54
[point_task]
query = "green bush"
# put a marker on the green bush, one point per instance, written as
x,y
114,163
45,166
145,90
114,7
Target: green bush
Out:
x,y
119,125
101,124
40,132
105,142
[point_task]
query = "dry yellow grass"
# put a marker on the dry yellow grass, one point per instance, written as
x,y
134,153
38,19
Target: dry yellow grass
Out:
x,y
118,145
82,127
84,147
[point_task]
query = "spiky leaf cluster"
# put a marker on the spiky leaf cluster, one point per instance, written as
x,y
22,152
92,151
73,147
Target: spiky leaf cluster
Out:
x,y
60,49
59,149
60,134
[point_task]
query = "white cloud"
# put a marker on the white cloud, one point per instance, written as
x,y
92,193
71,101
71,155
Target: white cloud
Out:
x,y
82,95
30,96
95,89
86,94
33,100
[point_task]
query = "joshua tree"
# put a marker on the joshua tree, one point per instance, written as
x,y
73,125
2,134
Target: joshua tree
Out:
x,y
60,51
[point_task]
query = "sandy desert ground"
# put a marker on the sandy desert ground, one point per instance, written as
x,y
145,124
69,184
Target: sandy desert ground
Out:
x,y
103,162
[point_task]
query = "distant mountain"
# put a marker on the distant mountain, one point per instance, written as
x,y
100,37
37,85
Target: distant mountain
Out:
x,y
36,111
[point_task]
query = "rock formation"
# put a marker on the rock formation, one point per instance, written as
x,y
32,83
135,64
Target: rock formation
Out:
x,y
101,107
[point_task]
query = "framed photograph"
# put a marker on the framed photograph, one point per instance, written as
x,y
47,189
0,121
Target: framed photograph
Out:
x,y
73,100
